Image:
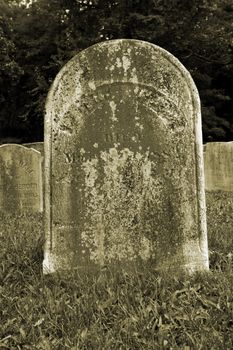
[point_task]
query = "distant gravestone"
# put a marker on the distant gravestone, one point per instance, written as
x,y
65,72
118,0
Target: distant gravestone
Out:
x,y
218,158
219,166
20,179
123,162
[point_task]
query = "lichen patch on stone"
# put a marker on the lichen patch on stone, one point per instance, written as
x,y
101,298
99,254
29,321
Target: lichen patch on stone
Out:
x,y
113,106
126,63
114,227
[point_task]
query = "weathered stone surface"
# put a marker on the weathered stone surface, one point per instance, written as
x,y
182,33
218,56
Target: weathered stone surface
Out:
x,y
20,179
218,158
123,162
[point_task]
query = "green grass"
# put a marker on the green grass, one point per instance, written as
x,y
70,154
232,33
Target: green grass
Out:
x,y
120,311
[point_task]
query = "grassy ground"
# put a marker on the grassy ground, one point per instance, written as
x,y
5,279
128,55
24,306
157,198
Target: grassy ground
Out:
x,y
142,311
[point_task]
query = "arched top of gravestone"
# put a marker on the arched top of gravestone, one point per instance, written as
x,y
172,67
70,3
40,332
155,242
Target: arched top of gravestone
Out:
x,y
38,146
14,146
124,61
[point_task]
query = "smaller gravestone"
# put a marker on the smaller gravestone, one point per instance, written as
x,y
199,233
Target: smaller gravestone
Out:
x,y
219,166
218,160
20,179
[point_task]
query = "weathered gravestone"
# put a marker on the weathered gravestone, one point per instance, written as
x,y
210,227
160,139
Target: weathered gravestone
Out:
x,y
20,179
123,162
218,160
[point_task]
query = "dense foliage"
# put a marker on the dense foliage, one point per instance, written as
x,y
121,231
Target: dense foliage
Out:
x,y
38,39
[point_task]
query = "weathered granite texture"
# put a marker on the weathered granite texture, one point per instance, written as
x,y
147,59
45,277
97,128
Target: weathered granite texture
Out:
x,y
123,162
20,179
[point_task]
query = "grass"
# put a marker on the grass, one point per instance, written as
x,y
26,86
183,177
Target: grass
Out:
x,y
120,311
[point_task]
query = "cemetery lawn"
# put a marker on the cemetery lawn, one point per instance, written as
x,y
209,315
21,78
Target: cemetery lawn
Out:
x,y
121,311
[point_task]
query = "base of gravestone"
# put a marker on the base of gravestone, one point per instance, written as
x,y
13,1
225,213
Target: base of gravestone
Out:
x,y
22,240
190,259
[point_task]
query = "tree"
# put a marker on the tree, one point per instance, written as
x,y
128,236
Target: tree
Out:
x,y
10,70
38,39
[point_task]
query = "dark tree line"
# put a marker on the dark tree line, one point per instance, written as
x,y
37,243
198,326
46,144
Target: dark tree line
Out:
x,y
38,39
